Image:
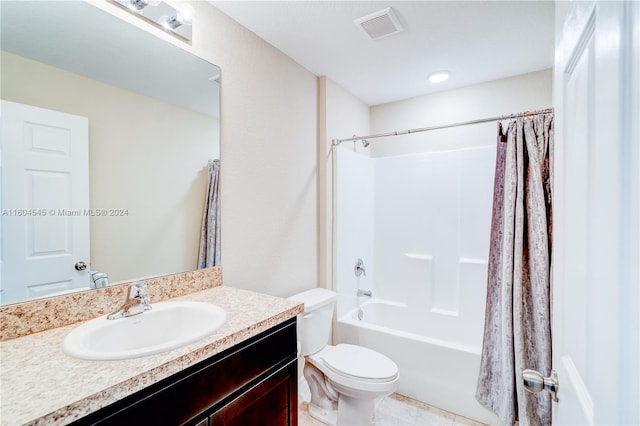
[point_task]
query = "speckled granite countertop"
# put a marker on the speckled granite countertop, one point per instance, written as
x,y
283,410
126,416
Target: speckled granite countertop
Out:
x,y
39,384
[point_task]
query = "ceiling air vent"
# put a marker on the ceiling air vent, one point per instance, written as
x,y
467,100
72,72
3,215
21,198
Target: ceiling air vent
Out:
x,y
380,24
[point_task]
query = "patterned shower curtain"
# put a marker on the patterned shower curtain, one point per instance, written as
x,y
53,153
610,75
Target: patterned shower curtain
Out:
x,y
517,331
210,234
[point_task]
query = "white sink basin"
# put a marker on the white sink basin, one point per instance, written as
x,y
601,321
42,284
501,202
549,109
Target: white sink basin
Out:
x,y
168,325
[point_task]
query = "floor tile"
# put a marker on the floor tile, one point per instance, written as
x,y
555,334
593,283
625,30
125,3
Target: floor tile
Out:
x,y
304,418
463,421
398,410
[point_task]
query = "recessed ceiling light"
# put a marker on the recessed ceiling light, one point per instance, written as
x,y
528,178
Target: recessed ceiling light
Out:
x,y
439,77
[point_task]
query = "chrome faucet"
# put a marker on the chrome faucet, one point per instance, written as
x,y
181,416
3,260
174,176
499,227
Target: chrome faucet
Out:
x,y
98,279
366,293
135,302
359,268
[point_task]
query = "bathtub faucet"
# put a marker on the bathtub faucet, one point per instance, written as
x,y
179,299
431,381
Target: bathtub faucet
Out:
x,y
359,268
366,293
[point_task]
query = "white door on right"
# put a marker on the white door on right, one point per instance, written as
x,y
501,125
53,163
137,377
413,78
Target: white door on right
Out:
x,y
596,215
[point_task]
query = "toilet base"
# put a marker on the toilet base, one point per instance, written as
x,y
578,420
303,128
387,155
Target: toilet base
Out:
x,y
356,411
351,411
328,417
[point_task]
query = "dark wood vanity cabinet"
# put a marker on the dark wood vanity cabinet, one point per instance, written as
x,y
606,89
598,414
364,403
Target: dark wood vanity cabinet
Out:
x,y
252,383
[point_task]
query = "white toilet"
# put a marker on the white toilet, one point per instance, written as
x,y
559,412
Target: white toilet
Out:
x,y
345,379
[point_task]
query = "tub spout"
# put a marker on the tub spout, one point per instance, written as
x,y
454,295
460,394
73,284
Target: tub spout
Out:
x,y
366,293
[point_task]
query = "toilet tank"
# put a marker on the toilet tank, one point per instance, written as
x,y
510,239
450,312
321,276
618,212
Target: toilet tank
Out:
x,y
314,325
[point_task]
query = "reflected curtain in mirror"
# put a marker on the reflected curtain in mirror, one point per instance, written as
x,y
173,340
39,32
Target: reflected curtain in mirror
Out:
x,y
210,235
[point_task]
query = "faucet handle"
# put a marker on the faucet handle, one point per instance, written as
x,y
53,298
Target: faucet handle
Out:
x,y
146,303
359,268
135,302
137,292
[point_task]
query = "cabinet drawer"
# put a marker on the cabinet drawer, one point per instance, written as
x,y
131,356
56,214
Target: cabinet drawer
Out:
x,y
206,386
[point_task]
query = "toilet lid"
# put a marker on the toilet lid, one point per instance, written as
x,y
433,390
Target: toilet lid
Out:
x,y
360,362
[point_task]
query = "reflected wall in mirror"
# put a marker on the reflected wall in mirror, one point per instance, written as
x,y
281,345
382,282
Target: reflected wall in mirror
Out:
x,y
151,123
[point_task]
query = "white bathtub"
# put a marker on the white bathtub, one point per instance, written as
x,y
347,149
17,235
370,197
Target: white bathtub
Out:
x,y
434,370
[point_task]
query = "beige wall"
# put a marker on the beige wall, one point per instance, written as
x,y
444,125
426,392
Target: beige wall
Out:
x,y
268,149
146,156
268,110
525,92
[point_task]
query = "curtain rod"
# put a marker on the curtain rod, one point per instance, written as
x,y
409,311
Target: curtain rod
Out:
x,y
337,142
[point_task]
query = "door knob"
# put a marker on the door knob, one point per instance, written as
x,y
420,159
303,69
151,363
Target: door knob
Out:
x,y
80,266
535,382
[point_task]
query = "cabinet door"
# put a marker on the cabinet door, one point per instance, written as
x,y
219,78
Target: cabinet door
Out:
x,y
271,402
192,395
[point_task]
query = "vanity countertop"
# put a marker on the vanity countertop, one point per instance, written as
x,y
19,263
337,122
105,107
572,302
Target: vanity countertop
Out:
x,y
39,384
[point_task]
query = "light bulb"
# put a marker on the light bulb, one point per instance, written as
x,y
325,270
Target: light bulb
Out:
x,y
185,14
141,4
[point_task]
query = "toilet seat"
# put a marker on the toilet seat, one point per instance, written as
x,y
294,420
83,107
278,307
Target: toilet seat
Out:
x,y
350,384
360,363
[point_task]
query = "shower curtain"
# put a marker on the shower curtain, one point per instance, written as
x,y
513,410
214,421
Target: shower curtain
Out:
x,y
517,331
210,234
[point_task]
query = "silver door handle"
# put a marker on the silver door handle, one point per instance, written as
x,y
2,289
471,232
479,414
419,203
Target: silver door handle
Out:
x,y
535,382
80,266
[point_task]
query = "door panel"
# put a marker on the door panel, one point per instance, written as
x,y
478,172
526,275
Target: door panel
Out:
x,y
45,201
594,346
572,321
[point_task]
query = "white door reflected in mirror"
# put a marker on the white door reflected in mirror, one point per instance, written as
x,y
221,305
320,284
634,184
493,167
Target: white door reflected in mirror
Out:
x,y
45,198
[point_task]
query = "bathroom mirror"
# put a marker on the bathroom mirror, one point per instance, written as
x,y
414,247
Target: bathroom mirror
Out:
x,y
151,111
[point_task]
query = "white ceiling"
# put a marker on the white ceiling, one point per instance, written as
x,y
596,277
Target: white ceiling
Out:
x,y
476,41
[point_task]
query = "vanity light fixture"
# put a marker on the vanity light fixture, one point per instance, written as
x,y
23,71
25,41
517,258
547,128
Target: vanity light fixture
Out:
x,y
141,4
439,77
184,16
174,20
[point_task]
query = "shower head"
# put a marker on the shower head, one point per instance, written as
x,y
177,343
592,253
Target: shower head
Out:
x,y
365,143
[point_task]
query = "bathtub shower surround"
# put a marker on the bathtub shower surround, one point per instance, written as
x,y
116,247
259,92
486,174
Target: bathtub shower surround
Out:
x,y
421,224
354,226
519,274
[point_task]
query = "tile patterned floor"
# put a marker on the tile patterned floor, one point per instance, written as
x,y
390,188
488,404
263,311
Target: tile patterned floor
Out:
x,y
399,410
